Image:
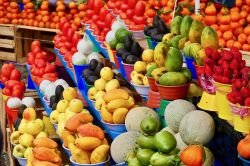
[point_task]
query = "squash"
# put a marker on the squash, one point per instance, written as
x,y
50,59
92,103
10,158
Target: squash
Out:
x,y
122,145
197,127
175,111
136,115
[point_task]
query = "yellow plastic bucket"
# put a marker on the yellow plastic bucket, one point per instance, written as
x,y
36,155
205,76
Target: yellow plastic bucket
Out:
x,y
207,102
110,53
222,104
5,97
241,118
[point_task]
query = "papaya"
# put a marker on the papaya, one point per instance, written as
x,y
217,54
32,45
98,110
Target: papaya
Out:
x,y
200,56
175,26
174,60
46,154
120,115
88,143
186,50
174,42
75,121
45,142
209,38
182,42
185,26
196,31
43,163
173,79
99,154
90,130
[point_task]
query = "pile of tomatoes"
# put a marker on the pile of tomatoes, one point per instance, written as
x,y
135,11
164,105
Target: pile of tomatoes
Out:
x,y
9,12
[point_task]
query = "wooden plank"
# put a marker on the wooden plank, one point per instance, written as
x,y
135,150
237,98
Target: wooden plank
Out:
x,y
6,30
37,28
18,45
7,43
9,56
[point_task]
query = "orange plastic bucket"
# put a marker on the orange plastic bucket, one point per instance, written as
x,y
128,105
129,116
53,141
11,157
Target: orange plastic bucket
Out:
x,y
152,84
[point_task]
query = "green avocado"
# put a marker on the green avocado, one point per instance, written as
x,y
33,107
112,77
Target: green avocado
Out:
x,y
113,43
173,79
121,34
159,159
187,74
144,155
164,141
119,45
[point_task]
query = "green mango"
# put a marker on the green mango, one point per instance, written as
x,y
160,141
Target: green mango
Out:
x,y
150,69
174,42
194,49
144,155
146,142
196,31
186,50
160,53
175,26
182,42
150,125
187,74
134,162
130,156
174,60
159,159
175,151
209,38
164,141
185,26
173,79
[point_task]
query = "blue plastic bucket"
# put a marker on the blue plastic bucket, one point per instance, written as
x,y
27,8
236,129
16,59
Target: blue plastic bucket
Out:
x,y
122,70
119,128
190,66
105,163
78,71
21,6
66,150
154,43
1,85
30,83
244,161
149,42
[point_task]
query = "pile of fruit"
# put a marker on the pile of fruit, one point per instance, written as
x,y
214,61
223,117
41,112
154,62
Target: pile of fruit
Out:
x,y
11,78
243,147
12,13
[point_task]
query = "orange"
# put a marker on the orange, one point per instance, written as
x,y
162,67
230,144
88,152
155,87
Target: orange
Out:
x,y
238,3
35,23
248,39
69,16
39,18
77,21
230,43
242,38
14,21
31,15
234,9
243,14
185,11
228,35
237,45
60,14
224,28
56,19
47,24
238,31
41,25
219,34
224,19
30,22
234,25
74,26
14,10
246,47
242,21
82,7
26,1
246,8
20,21
247,30
248,19
1,13
81,14
215,27
14,16
45,3
247,2
59,3
73,11
14,5
60,8
25,21
224,10
235,16
209,20
222,43
57,25
44,7
52,25
72,5
29,5
44,13
45,18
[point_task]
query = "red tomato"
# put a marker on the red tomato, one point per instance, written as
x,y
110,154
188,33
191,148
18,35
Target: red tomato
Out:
x,y
106,30
124,7
6,70
130,13
40,63
4,79
97,31
140,20
62,22
36,50
68,45
140,8
118,4
50,57
76,37
92,26
15,75
17,93
100,24
30,58
50,75
65,28
40,55
132,3
123,16
11,66
108,20
50,68
6,91
103,12
111,5
91,4
137,27
11,83
34,44
95,18
18,87
63,50
70,34
73,50
98,4
41,71
90,13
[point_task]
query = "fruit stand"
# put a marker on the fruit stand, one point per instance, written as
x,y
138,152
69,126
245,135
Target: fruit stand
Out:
x,y
125,82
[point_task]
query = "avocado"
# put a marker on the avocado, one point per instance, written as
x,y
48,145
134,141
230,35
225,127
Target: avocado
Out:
x,y
17,123
162,28
119,45
59,90
128,42
160,159
98,69
136,49
54,99
20,110
113,43
146,29
92,64
154,30
121,34
91,79
156,21
54,106
144,155
121,51
187,74
131,59
164,141
88,72
158,37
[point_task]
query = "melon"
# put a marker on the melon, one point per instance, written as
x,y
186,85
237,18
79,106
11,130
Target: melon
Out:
x,y
14,102
136,115
122,145
175,111
169,130
43,85
29,102
197,127
62,82
180,144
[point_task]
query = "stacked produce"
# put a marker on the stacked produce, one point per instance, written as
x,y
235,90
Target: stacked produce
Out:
x,y
28,14
10,77
12,13
157,30
45,152
243,147
3,5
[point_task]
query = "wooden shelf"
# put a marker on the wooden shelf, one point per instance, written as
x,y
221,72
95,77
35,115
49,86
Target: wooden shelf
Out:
x,y
36,28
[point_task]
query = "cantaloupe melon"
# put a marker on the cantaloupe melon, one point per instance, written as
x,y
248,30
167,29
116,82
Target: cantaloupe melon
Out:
x,y
136,115
180,144
175,111
197,127
122,145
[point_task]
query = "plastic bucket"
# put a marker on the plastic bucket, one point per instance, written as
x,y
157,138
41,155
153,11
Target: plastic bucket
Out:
x,y
67,150
55,126
5,97
173,92
154,99
149,42
152,84
190,66
241,118
222,104
122,70
105,163
141,89
154,43
78,72
207,102
128,69
119,128
138,34
30,83
112,56
163,105
12,116
21,161
199,72
244,161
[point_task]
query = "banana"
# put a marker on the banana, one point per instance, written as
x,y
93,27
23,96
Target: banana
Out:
x,y
120,115
117,103
88,143
98,104
79,155
115,94
14,137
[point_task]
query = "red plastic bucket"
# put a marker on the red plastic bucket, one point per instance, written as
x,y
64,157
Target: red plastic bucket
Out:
x,y
199,70
152,84
116,59
154,99
12,116
173,92
128,70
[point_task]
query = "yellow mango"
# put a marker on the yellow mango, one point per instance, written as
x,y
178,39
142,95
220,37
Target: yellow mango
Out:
x,y
88,143
100,154
120,115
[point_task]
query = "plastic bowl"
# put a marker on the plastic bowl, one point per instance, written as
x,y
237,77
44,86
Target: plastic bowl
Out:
x,y
21,161
67,150
173,92
128,70
244,161
105,163
121,164
141,89
92,101
55,125
116,127
138,34
152,84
